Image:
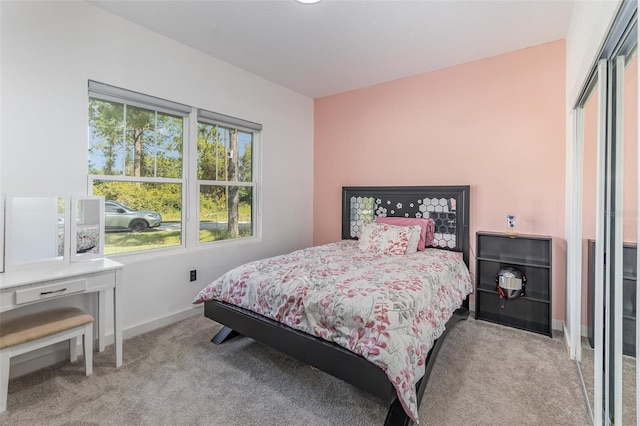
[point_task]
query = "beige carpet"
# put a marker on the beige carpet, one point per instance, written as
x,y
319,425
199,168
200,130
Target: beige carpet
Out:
x,y
485,374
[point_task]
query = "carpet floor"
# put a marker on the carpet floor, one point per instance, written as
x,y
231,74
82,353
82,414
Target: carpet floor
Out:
x,y
485,374
629,415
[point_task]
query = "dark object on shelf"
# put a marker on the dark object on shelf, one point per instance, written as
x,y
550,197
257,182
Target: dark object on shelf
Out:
x,y
510,284
531,256
629,288
328,356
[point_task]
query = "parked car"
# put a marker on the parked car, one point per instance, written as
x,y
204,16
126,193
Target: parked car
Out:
x,y
117,216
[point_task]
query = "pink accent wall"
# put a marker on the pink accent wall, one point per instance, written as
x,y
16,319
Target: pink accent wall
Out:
x,y
496,124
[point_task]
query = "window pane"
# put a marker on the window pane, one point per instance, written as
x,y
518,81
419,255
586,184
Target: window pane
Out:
x,y
140,216
212,152
245,162
140,131
224,154
225,212
106,138
151,146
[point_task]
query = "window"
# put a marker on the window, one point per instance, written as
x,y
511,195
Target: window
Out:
x,y
138,150
225,181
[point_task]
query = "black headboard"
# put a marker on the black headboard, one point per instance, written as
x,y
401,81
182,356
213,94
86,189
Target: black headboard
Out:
x,y
448,206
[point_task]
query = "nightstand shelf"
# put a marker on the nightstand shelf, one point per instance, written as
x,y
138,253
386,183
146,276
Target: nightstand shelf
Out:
x,y
531,255
629,287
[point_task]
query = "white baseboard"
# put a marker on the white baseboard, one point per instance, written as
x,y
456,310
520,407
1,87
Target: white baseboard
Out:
x,y
59,352
557,325
159,322
565,336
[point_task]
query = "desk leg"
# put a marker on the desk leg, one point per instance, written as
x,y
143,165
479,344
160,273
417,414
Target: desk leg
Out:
x,y
117,317
102,324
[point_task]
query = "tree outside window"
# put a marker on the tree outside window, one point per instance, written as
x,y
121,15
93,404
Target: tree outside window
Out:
x,y
225,182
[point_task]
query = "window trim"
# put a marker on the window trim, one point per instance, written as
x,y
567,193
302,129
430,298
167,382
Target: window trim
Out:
x,y
228,121
110,93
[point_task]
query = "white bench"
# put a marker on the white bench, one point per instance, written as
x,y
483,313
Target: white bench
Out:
x,y
31,332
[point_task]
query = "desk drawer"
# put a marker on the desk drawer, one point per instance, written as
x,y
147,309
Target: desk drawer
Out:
x,y
49,291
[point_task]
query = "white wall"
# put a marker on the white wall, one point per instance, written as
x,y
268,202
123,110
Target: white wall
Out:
x,y
589,25
49,50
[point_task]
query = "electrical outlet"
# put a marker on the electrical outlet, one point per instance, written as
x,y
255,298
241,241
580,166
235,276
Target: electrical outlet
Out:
x,y
192,275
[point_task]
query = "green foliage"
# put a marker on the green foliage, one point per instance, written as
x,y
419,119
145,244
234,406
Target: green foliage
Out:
x,y
132,141
164,198
245,164
213,203
105,123
211,153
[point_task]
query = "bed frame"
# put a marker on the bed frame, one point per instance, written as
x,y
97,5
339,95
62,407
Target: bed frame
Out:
x,y
448,205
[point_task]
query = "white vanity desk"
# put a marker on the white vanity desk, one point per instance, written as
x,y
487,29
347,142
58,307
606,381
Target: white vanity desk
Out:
x,y
20,288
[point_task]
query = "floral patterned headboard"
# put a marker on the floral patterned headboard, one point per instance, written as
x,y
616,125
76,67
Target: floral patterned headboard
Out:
x,y
448,206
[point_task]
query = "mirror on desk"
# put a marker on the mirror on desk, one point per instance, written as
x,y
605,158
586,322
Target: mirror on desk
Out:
x,y
35,230
51,229
87,230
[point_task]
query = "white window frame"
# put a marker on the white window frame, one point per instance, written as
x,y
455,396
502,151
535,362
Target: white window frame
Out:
x,y
190,184
211,118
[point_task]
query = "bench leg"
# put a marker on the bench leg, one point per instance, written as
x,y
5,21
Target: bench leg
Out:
x,y
88,348
5,358
73,349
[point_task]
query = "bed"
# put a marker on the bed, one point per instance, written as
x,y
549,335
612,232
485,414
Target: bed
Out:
x,y
352,347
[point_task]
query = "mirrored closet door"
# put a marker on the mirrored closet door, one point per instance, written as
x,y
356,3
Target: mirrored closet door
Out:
x,y
626,238
606,126
589,121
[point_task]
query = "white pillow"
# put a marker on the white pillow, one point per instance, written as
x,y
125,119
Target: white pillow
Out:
x,y
389,239
368,237
414,238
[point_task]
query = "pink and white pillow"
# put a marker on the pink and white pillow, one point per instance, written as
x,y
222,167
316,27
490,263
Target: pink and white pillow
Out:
x,y
427,227
389,239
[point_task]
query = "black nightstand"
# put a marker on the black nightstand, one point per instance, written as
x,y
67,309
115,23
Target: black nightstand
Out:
x,y
531,255
629,288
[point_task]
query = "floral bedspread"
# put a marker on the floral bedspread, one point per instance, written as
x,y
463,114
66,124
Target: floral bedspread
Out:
x,y
387,308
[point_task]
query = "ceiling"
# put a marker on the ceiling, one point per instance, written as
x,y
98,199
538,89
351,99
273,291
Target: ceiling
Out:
x,y
338,45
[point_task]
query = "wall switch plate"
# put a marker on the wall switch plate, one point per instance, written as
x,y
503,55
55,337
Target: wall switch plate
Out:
x,y
192,275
